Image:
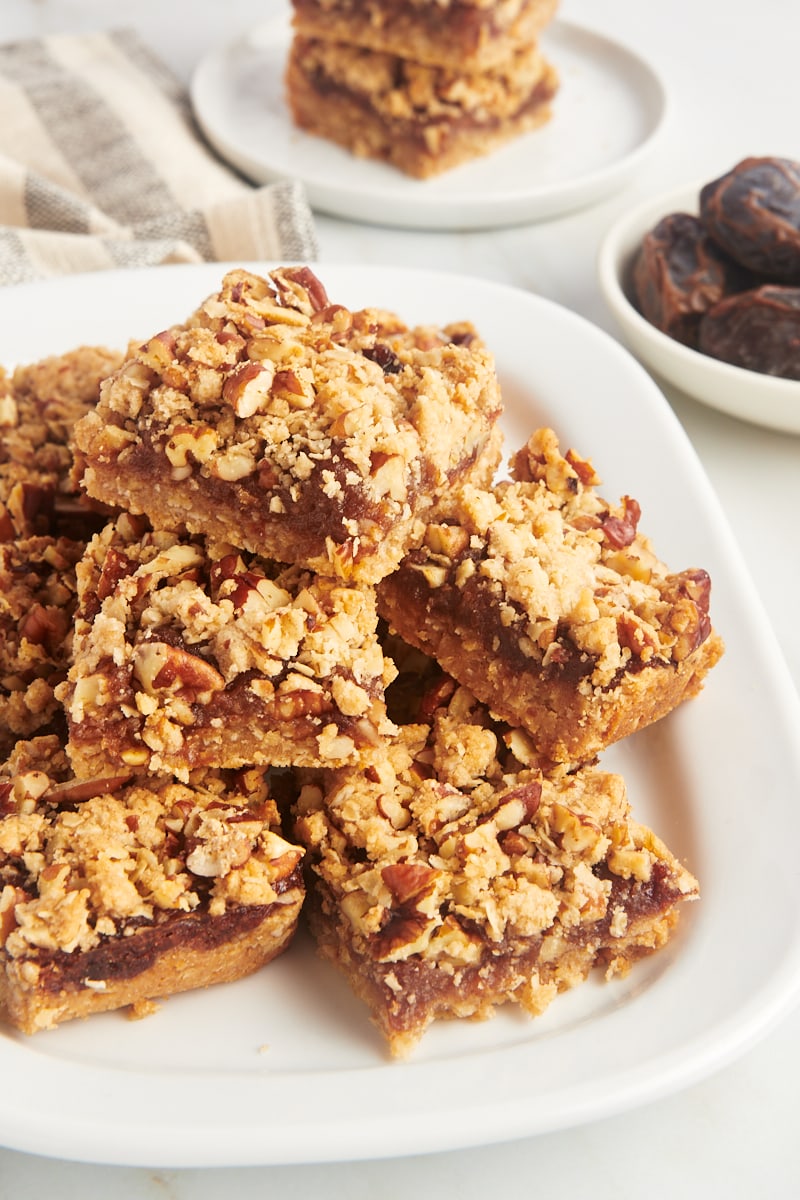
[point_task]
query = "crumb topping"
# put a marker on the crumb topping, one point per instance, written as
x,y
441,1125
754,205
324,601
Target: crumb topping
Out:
x,y
302,409
449,843
85,860
400,89
563,574
38,597
40,404
170,628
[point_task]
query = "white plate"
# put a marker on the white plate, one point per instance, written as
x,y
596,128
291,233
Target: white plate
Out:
x,y
285,1066
605,119
760,399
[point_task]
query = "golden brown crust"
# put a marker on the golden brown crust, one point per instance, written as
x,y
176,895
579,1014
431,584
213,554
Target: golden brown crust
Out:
x,y
421,119
448,876
549,604
115,891
244,942
290,426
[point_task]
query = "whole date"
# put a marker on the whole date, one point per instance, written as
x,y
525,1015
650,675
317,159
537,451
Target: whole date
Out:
x,y
680,273
758,329
753,213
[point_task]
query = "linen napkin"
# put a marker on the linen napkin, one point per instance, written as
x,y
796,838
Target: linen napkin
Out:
x,y
101,166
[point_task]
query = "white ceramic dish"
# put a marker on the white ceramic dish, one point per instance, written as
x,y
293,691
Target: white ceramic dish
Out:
x,y
285,1067
605,120
761,399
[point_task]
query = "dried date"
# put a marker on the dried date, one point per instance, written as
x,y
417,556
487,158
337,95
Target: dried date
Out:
x,y
753,213
758,329
680,273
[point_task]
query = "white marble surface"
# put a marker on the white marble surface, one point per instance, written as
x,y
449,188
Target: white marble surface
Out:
x,y
731,72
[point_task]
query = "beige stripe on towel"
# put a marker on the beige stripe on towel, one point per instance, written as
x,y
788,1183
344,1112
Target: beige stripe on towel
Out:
x,y
101,165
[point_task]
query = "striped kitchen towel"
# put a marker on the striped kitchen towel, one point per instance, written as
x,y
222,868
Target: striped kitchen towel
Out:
x,y
101,165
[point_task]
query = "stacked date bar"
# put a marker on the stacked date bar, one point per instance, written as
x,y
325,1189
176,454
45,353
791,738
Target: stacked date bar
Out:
x,y
190,654
549,603
294,428
421,86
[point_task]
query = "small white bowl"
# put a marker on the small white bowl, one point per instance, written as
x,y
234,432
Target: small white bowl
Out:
x,y
760,399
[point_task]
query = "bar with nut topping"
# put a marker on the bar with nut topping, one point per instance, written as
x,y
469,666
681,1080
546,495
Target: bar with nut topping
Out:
x,y
453,875
188,653
422,119
294,428
550,605
423,87
117,892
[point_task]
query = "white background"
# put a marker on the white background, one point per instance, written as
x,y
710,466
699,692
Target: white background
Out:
x,y
731,72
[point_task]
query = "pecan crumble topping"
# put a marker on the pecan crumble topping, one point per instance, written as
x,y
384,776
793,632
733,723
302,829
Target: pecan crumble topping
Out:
x,y
293,427
38,597
193,653
98,877
551,606
449,876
